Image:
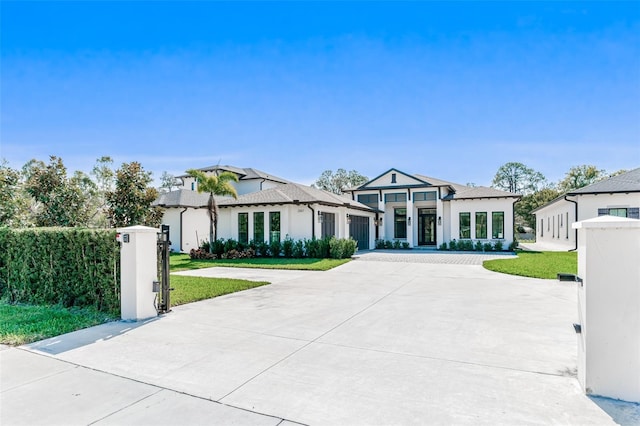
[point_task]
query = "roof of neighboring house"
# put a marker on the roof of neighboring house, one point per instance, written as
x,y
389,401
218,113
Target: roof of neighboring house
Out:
x,y
293,193
620,184
182,198
243,173
625,182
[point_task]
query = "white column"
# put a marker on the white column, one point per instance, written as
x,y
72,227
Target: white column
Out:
x,y
609,307
411,222
138,271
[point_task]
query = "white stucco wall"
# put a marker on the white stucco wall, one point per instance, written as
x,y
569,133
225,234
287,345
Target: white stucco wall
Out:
x,y
552,228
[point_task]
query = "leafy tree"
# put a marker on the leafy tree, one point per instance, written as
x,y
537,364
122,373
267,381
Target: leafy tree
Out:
x,y
9,188
518,178
528,203
340,180
168,181
104,179
130,201
62,201
216,184
580,176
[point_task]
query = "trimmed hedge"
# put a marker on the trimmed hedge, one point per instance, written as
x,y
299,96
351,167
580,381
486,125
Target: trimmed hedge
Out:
x,y
61,266
328,247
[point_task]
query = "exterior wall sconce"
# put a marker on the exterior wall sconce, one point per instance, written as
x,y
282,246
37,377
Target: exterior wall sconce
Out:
x,y
348,219
409,221
320,217
439,220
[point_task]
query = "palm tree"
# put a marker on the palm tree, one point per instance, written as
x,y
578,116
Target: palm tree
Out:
x,y
218,184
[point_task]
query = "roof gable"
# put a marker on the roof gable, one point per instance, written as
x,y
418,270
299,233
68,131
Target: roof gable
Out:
x,y
394,178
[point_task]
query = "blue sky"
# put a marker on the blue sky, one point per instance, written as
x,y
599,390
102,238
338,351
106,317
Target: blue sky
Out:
x,y
446,89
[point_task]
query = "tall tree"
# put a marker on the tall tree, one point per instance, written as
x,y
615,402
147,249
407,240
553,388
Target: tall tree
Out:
x,y
168,181
215,184
104,179
528,203
518,178
130,201
337,182
9,189
580,176
62,201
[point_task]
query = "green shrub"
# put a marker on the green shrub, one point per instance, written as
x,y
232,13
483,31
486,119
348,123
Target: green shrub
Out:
x,y
350,247
287,247
498,245
218,247
61,266
513,246
229,245
388,244
405,245
443,246
298,249
453,245
396,244
275,247
335,248
488,246
479,246
468,245
380,244
262,249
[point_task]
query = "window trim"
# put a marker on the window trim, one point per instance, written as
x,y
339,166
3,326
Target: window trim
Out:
x,y
484,228
272,232
494,234
397,221
244,240
260,227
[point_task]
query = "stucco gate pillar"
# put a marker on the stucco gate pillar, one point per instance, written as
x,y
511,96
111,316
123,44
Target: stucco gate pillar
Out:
x,y
139,269
609,307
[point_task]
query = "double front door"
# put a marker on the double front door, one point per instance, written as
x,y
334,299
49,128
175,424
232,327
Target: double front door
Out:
x,y
426,227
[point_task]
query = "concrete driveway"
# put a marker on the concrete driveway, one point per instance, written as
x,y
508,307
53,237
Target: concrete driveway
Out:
x,y
372,342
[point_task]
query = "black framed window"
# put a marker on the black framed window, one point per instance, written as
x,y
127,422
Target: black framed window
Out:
x,y
465,225
497,225
370,200
258,227
274,226
618,212
398,197
400,223
481,225
243,228
425,196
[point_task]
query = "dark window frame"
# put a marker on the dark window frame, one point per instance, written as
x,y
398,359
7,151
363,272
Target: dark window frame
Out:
x,y
399,223
258,227
482,235
464,225
494,233
243,227
274,234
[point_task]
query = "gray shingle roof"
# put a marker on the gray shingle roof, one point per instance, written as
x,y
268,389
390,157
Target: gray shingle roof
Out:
x,y
293,193
626,182
243,173
182,198
471,192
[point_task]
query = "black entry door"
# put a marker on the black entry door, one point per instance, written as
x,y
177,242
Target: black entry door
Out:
x,y
359,231
426,227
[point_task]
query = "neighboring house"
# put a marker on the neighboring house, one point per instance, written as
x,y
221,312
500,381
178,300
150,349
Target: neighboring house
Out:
x,y
416,209
616,196
425,211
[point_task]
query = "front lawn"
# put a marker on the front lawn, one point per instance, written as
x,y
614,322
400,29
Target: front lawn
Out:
x,y
536,264
21,324
182,262
191,289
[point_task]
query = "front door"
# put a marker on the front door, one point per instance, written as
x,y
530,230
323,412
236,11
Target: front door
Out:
x,y
426,227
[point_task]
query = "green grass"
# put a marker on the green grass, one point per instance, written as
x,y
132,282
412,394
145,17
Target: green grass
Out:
x,y
191,289
182,262
21,324
536,264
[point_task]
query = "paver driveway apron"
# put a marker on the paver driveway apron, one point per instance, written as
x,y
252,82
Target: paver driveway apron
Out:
x,y
370,342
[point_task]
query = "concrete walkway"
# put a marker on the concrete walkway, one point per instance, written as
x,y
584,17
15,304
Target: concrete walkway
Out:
x,y
371,342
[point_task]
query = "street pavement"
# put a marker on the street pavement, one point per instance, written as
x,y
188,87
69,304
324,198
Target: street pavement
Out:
x,y
373,342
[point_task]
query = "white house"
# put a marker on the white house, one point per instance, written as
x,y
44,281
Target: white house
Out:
x,y
616,196
415,209
425,211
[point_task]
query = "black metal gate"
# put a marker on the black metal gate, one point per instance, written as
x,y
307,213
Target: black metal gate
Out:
x,y
359,231
163,287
